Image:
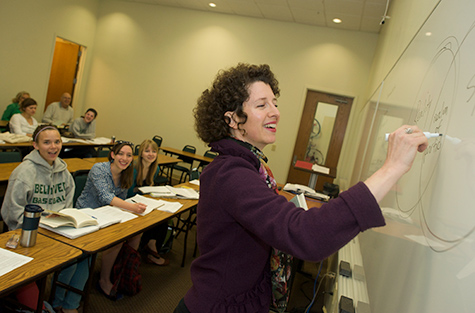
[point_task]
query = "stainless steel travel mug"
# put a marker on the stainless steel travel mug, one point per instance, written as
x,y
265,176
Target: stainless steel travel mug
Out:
x,y
29,230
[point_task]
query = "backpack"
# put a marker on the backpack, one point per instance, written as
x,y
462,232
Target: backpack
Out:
x,y
125,273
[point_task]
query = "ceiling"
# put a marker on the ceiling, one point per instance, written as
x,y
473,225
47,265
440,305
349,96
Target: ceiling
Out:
x,y
358,15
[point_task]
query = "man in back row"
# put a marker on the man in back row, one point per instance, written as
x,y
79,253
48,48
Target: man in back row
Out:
x,y
60,113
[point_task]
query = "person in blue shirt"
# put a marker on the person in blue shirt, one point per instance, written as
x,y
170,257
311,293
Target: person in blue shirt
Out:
x,y
107,184
146,169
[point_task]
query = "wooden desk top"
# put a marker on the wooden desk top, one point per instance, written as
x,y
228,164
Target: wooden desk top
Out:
x,y
3,123
114,234
331,174
194,156
48,255
74,164
65,144
162,159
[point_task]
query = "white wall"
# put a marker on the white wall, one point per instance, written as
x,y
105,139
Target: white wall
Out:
x,y
28,29
151,63
146,65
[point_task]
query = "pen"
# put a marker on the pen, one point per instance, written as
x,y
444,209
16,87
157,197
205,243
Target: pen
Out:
x,y
428,135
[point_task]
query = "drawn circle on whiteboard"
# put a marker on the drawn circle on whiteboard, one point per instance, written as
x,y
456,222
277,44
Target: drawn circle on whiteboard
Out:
x,y
431,112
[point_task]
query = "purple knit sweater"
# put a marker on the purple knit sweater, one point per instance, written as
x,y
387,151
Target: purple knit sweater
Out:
x,y
240,219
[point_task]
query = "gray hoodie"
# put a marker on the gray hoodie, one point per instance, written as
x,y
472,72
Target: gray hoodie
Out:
x,y
34,181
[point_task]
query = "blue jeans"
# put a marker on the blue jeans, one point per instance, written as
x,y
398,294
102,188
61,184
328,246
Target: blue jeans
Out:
x,y
76,276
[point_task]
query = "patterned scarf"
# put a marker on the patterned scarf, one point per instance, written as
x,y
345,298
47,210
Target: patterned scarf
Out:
x,y
280,262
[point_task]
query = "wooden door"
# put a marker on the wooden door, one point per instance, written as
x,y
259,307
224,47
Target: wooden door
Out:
x,y
311,128
63,70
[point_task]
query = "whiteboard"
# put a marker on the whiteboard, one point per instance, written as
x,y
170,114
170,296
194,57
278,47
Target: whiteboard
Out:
x,y
424,259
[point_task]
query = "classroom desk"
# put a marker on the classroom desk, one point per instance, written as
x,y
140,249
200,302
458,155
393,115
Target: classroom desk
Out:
x,y
48,256
162,159
112,235
194,156
65,145
314,174
74,164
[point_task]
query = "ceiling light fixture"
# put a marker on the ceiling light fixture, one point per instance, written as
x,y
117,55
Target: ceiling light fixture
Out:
x,y
336,21
211,4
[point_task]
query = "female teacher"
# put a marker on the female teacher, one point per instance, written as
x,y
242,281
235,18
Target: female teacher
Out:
x,y
246,231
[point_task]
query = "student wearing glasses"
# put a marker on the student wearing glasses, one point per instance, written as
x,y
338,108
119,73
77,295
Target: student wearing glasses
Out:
x,y
107,184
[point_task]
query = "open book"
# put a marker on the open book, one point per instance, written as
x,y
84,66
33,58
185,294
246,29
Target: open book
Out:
x,y
169,192
299,201
68,217
309,192
103,217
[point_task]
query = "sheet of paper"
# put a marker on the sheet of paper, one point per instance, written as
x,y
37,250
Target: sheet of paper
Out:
x,y
10,260
170,207
151,204
184,193
124,216
158,191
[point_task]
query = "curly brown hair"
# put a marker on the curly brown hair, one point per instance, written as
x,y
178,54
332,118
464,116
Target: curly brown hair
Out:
x,y
229,91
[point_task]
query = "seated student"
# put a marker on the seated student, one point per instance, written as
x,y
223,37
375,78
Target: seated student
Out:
x,y
40,170
59,113
145,170
14,108
24,123
84,127
107,184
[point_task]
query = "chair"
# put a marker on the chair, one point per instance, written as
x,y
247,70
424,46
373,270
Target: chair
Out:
x,y
209,154
158,140
80,178
136,150
102,153
10,156
185,170
160,180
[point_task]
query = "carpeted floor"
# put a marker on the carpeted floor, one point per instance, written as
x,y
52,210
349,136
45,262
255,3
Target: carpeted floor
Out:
x,y
162,286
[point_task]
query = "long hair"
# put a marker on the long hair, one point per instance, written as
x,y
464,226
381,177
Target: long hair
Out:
x,y
127,175
19,95
148,177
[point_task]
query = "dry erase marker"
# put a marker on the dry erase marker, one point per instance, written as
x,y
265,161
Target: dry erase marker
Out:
x,y
428,135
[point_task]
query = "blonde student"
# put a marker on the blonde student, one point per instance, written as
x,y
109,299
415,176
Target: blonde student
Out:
x,y
146,169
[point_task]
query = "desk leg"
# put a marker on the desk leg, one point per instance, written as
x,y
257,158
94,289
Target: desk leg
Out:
x,y
41,296
312,182
87,289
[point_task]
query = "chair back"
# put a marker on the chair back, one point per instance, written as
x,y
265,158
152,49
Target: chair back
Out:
x,y
209,154
194,174
136,150
103,153
10,156
158,140
190,149
80,178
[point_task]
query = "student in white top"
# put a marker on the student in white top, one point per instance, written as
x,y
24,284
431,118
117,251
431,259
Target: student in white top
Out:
x,y
24,123
60,113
